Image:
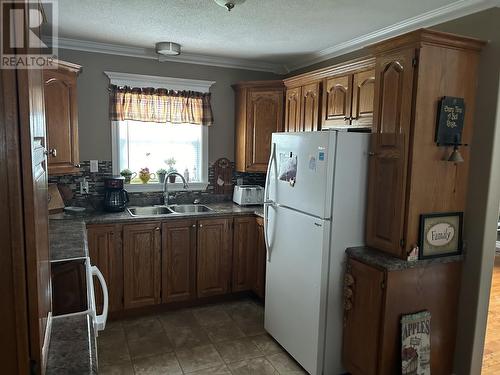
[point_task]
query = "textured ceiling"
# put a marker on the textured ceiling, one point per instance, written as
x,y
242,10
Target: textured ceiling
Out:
x,y
277,31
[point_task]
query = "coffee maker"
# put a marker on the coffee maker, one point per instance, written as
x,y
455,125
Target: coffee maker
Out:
x,y
115,197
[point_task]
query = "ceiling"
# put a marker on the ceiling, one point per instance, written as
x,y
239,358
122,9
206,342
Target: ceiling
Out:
x,y
278,35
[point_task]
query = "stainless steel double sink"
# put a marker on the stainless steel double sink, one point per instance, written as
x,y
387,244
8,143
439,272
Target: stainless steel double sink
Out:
x,y
168,210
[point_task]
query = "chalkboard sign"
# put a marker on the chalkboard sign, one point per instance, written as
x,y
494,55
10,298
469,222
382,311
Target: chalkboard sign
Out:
x,y
450,120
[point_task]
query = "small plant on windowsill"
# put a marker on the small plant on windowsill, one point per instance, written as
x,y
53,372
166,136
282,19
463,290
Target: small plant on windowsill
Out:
x,y
160,174
171,163
145,175
128,175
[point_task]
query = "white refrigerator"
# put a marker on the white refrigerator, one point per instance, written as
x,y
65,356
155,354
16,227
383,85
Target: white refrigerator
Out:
x,y
314,209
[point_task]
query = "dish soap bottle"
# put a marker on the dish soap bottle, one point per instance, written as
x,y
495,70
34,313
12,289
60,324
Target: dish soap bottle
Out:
x,y
186,175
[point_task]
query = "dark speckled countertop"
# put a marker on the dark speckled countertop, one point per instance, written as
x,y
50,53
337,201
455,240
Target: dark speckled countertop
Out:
x,y
381,260
72,346
67,232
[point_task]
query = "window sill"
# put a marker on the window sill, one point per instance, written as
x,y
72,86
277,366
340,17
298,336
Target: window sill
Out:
x,y
157,187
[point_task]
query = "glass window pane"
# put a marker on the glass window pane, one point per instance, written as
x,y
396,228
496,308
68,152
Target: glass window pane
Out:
x,y
144,144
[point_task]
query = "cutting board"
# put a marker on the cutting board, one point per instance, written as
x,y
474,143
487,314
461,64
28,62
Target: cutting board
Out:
x,y
223,173
56,203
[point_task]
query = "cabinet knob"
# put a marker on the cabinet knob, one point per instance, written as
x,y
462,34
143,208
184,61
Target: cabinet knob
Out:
x,y
194,225
51,151
201,225
77,165
371,153
157,228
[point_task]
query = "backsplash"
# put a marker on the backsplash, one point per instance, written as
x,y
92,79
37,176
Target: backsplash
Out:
x,y
69,185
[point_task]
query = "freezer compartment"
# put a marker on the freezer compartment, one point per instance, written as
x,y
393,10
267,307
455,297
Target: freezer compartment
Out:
x,y
296,283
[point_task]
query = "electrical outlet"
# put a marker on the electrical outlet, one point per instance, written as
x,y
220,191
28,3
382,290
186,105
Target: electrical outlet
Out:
x,y
94,166
84,186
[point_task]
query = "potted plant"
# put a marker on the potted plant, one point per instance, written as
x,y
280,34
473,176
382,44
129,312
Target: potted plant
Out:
x,y
128,174
171,162
161,173
145,175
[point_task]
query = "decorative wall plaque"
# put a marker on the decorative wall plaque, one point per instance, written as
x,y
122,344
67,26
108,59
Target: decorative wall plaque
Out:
x,y
440,234
416,344
450,121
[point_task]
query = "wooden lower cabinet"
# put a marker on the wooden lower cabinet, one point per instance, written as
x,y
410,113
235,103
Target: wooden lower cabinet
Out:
x,y
243,253
214,256
105,251
178,260
259,287
375,298
141,264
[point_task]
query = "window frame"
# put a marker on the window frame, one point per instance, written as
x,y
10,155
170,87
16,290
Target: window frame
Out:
x,y
139,80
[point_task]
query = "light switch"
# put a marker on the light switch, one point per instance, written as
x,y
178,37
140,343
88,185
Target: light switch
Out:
x,y
94,166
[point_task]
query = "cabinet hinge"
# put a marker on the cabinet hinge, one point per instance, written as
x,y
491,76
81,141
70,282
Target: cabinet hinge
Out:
x,y
414,62
402,242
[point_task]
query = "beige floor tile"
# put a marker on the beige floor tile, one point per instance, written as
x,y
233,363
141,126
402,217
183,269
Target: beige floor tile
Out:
x,y
111,337
285,364
174,319
251,327
238,350
150,344
109,355
211,315
199,358
218,370
267,344
124,368
224,332
244,311
255,366
164,364
137,328
187,337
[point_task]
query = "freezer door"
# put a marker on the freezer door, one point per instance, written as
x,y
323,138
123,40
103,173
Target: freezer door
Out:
x,y
300,173
296,283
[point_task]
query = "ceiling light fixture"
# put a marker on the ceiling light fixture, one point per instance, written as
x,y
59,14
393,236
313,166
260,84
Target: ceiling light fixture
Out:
x,y
229,4
168,48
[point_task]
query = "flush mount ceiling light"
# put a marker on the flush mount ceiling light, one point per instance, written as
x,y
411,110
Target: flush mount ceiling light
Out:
x,y
229,4
168,48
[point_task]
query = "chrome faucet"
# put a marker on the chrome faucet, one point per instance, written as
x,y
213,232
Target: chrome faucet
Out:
x,y
165,186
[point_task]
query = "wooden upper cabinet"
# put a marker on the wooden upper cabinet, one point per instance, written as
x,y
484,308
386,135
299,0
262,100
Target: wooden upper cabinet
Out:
x,y
214,257
105,251
259,113
178,260
244,247
337,101
141,261
363,94
363,296
388,161
310,107
61,114
292,109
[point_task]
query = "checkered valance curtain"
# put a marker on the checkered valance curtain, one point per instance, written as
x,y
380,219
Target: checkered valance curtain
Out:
x,y
160,105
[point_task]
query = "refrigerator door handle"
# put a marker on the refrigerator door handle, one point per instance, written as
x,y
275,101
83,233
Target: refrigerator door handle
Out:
x,y
268,174
266,225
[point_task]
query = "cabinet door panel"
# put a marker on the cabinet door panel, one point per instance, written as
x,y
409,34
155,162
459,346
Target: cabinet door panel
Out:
x,y
362,318
141,259
214,257
62,120
178,260
310,99
105,252
388,164
260,260
265,116
362,97
337,95
292,110
243,253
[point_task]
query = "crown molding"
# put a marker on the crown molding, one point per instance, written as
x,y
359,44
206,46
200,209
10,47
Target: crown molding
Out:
x,y
149,53
446,13
171,83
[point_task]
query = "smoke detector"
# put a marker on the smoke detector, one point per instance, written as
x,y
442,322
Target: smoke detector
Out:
x,y
168,48
229,4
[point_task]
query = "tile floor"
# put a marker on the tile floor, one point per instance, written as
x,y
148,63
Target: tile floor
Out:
x,y
491,356
227,338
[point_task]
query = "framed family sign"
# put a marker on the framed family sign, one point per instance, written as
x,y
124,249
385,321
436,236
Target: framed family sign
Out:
x,y
440,234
